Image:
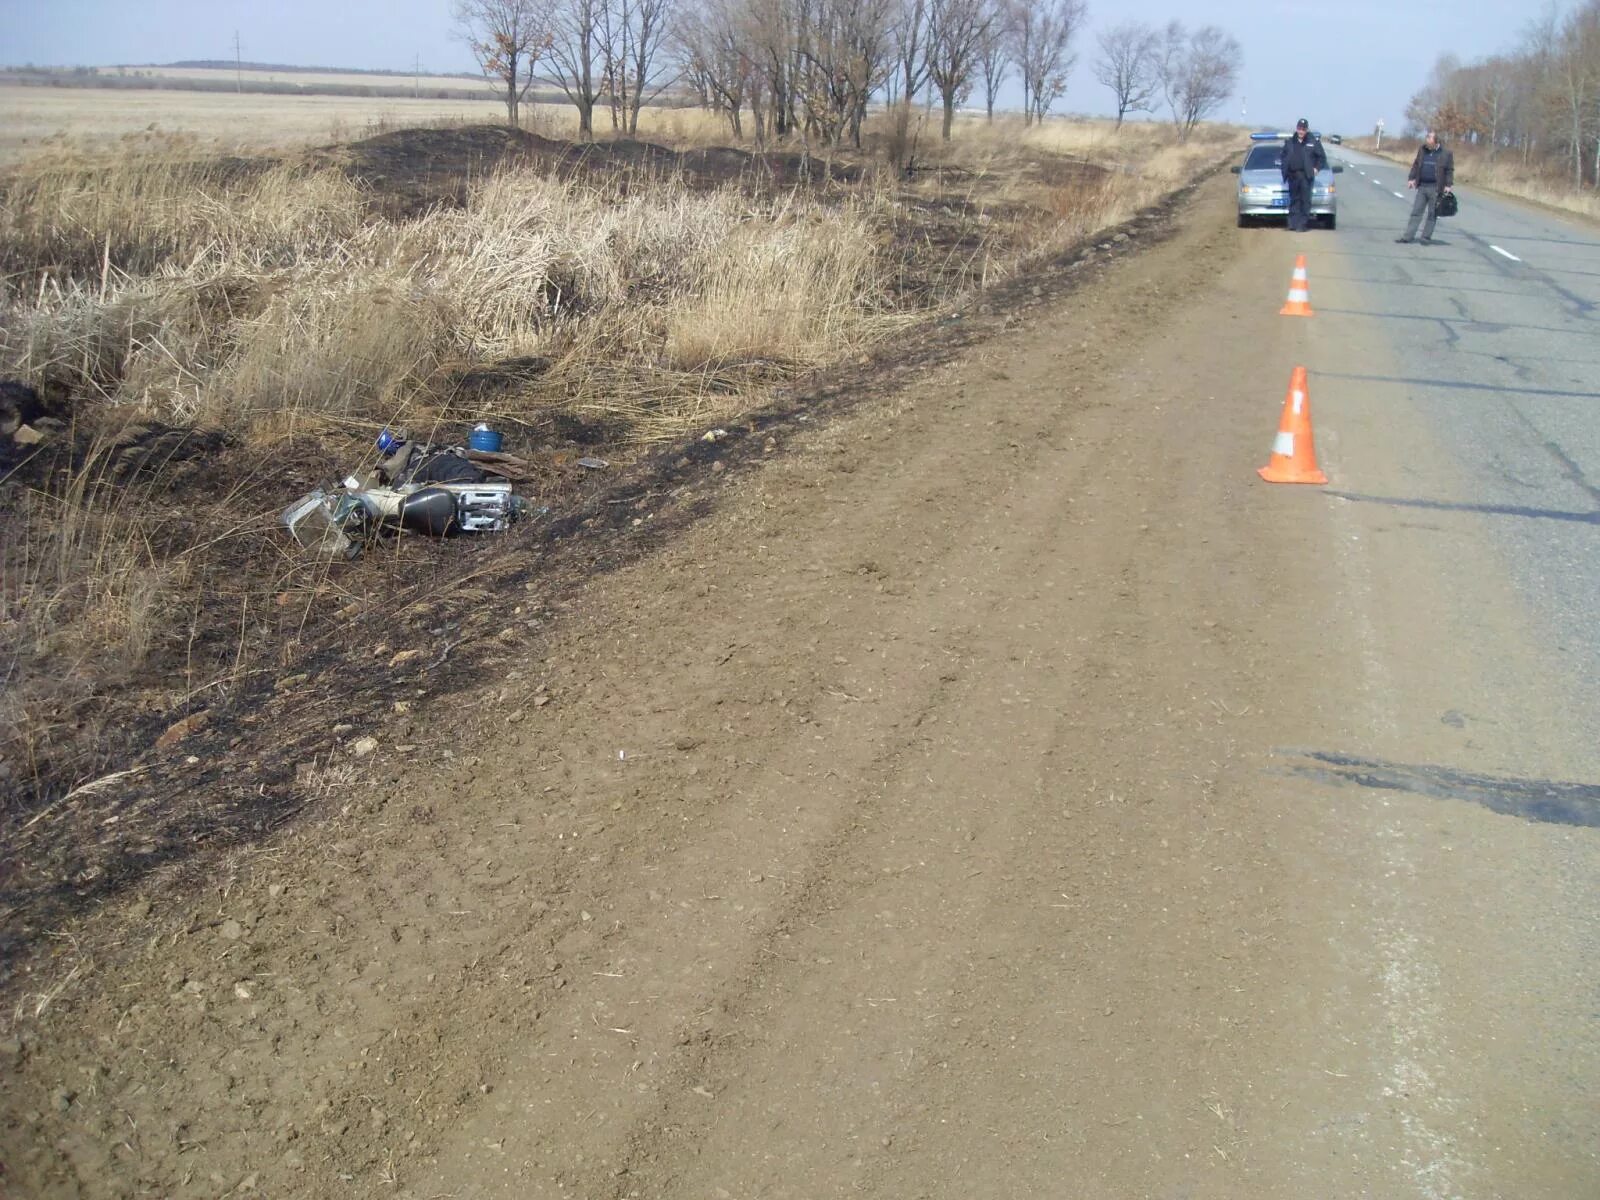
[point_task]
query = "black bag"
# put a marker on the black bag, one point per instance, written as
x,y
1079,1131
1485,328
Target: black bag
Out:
x,y
1447,206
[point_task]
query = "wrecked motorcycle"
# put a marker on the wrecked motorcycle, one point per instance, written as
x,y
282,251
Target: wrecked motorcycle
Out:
x,y
415,489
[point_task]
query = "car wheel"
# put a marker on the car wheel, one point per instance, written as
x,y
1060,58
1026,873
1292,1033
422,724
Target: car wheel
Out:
x,y
1333,221
1244,221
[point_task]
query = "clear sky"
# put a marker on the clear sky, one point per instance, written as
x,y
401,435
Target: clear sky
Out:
x,y
1341,63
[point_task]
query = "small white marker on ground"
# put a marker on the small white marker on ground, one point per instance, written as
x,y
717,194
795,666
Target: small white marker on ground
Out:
x,y
1507,253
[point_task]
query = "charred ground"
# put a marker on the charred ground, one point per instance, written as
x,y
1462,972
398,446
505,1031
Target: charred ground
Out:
x,y
234,724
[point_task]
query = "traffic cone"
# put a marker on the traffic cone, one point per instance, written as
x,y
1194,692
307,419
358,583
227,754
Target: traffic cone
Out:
x,y
1299,302
1294,456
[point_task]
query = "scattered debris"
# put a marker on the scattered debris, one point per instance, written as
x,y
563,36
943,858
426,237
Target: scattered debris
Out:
x,y
714,435
416,488
593,464
362,747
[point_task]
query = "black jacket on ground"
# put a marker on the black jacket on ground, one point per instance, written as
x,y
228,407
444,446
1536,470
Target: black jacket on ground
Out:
x,y
1444,168
1302,158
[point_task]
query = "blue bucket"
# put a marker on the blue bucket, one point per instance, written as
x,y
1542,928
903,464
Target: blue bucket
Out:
x,y
484,439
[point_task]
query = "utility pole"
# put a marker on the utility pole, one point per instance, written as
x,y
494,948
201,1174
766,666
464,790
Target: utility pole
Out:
x,y
416,77
238,65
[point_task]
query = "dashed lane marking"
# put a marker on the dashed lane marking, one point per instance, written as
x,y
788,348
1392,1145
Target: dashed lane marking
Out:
x,y
1507,253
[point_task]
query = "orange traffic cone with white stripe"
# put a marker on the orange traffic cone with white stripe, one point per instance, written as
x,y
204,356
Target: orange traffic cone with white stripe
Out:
x,y
1294,456
1299,302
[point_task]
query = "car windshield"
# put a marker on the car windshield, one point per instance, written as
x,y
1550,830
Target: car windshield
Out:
x,y
1263,158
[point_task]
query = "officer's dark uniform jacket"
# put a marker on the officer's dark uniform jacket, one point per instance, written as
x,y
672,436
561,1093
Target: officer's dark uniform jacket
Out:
x,y
1303,158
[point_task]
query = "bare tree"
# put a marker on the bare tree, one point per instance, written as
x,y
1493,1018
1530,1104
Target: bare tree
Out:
x,y
1041,46
577,56
507,38
1575,87
1431,107
714,53
845,52
1542,99
631,36
956,32
1197,73
772,33
994,56
1127,65
910,35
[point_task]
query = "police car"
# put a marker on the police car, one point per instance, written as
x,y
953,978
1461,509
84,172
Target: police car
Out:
x,y
1263,195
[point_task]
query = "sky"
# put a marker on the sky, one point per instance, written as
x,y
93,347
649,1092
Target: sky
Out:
x,y
1342,64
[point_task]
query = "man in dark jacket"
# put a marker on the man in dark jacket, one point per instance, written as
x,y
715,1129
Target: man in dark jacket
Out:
x,y
1433,172
1302,159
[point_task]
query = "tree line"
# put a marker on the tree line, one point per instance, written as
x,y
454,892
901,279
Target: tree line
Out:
x,y
1540,100
812,68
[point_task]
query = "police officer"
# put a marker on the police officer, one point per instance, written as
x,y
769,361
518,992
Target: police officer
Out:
x,y
1302,159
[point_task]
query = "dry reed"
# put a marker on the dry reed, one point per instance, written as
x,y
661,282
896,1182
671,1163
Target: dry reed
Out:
x,y
268,298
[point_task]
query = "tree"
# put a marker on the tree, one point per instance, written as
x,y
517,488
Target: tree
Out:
x,y
911,35
1575,86
577,54
956,32
1127,65
994,59
844,52
631,36
1426,107
716,56
772,34
507,38
1197,72
1041,46
1542,99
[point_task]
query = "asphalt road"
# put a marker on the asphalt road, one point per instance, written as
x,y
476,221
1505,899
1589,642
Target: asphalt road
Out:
x,y
1495,329
1454,387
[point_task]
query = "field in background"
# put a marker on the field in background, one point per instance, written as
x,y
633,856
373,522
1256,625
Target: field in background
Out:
x,y
226,77
79,121
231,330
75,121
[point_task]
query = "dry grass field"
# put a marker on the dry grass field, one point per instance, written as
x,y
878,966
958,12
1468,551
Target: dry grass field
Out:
x,y
89,120
224,77
232,323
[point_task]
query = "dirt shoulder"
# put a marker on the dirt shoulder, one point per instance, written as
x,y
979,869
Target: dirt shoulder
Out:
x,y
903,825
797,817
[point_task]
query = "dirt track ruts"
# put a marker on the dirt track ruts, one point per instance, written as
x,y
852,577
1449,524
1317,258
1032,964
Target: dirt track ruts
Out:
x,y
908,827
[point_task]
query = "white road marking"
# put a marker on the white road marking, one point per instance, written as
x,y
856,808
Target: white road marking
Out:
x,y
1398,195
1507,253
1412,1037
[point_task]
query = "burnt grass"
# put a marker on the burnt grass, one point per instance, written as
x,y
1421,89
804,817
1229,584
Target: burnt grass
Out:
x,y
281,662
411,170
